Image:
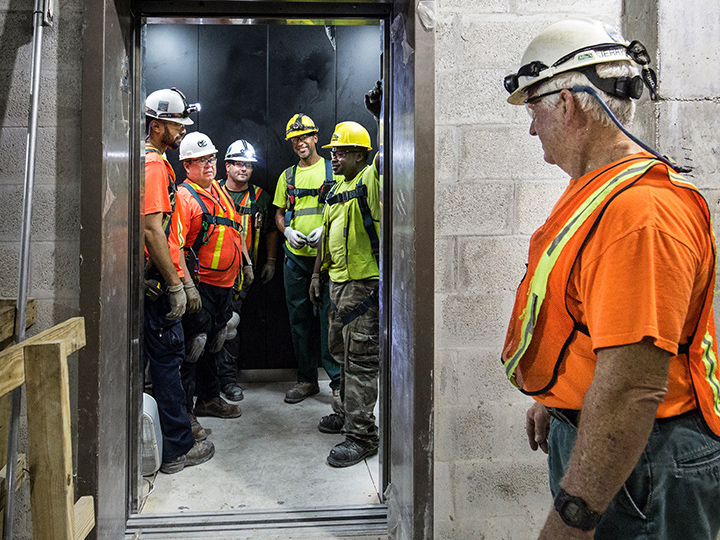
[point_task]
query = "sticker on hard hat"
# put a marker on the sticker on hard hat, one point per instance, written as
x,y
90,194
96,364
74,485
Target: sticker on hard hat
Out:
x,y
335,137
202,143
163,106
585,56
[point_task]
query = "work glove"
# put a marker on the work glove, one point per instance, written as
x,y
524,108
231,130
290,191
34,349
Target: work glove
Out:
x,y
268,270
315,290
373,100
296,239
178,300
313,239
248,276
194,303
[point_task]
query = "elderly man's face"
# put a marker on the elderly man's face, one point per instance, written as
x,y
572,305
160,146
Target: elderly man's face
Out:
x,y
546,125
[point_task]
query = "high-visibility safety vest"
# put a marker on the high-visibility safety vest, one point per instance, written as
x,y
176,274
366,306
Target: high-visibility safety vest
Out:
x,y
217,244
539,334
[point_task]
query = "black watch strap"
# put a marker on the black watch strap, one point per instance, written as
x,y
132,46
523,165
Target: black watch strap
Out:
x,y
575,513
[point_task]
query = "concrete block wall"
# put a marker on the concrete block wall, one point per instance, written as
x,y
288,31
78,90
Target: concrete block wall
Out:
x,y
493,190
54,264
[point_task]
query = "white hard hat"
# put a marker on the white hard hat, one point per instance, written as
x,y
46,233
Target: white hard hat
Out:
x,y
195,145
569,45
241,150
169,104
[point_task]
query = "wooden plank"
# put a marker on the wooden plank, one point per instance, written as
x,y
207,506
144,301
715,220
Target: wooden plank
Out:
x,y
7,322
84,517
8,304
20,476
52,496
12,372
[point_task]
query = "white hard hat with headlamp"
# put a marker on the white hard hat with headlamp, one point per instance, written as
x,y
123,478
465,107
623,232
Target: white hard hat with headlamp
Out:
x,y
170,104
241,150
576,45
195,145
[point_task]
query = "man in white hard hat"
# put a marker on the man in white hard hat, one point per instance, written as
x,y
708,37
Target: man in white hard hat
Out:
x,y
166,298
613,331
253,206
214,251
299,217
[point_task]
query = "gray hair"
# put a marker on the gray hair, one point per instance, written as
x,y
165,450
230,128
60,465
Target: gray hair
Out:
x,y
622,108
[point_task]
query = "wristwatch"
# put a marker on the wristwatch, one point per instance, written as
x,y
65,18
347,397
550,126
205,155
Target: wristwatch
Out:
x,y
575,512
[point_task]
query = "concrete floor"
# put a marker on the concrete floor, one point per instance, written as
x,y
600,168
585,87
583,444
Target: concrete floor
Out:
x,y
272,457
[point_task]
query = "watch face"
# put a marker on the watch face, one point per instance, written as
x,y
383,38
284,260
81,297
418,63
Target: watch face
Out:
x,y
573,512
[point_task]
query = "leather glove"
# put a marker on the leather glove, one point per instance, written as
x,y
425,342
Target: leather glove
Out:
x,y
194,303
315,290
296,239
248,276
373,100
178,300
313,239
268,270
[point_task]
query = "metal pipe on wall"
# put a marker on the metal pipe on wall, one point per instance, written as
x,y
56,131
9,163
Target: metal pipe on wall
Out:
x,y
42,16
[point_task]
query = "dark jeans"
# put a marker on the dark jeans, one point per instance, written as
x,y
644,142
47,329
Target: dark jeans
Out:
x,y
164,351
201,378
672,494
309,333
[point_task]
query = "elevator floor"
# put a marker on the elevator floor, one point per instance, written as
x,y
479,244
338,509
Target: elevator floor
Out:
x,y
272,457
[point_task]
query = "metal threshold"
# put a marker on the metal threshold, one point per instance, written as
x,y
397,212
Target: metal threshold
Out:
x,y
316,523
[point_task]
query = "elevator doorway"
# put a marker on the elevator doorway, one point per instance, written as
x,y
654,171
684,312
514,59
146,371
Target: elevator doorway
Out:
x,y
250,77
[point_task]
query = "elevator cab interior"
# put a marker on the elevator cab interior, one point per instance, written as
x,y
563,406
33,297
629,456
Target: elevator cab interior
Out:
x,y
250,76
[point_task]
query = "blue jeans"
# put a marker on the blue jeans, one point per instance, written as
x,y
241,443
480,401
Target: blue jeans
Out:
x,y
164,350
673,492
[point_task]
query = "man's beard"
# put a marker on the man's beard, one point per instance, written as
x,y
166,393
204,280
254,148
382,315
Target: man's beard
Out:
x,y
170,141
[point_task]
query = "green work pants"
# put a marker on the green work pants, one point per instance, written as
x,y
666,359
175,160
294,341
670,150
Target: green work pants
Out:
x,y
308,326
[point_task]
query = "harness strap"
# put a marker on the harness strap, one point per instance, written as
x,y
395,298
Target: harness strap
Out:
x,y
294,193
360,309
360,193
295,267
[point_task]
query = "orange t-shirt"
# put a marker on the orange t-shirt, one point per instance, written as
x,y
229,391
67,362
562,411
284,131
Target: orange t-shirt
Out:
x,y
643,273
159,175
220,258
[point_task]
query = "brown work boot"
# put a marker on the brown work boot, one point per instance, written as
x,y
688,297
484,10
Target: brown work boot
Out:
x,y
300,391
217,407
199,433
201,452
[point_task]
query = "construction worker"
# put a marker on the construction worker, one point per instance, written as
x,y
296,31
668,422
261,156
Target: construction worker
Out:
x,y
213,253
166,297
349,253
299,218
613,332
253,211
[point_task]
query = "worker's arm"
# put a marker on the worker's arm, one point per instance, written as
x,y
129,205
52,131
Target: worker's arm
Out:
x,y
273,240
158,249
315,291
615,424
280,220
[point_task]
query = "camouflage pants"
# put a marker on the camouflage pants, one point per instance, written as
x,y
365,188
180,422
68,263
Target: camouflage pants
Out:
x,y
355,348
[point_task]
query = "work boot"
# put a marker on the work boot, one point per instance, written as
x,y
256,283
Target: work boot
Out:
x,y
201,452
332,423
349,453
233,392
199,433
337,404
300,391
217,407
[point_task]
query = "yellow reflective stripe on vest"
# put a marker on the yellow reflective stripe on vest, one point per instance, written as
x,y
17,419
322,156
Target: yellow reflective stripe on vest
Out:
x,y
225,202
711,370
538,284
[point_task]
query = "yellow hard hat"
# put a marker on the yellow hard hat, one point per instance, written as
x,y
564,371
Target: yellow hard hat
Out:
x,y
299,124
350,134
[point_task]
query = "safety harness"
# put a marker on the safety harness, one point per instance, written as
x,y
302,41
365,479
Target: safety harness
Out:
x,y
359,194
294,193
253,212
208,219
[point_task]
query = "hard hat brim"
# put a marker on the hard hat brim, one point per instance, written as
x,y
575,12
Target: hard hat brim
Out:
x,y
341,145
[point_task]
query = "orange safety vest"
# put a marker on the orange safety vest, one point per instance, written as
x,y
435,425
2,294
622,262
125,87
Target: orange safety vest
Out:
x,y
217,243
541,328
250,219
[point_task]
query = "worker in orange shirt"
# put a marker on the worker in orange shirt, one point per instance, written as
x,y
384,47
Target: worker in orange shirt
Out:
x,y
613,332
214,254
166,297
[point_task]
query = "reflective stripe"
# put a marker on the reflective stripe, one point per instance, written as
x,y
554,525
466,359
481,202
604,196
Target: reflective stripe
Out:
x,y
711,370
314,210
539,282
